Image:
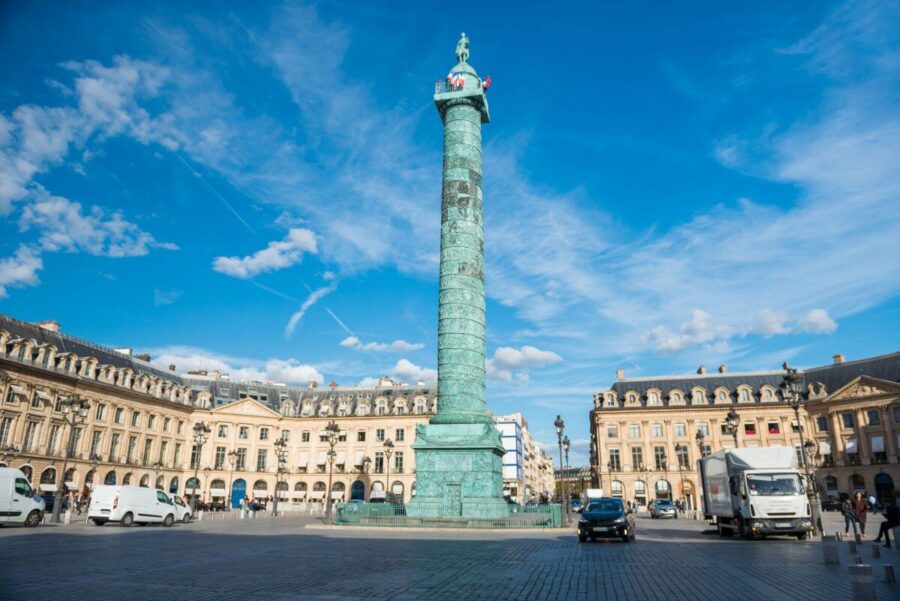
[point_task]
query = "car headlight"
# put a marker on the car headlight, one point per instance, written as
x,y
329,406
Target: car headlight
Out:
x,y
620,520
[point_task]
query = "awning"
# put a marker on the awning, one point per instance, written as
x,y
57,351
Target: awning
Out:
x,y
851,446
824,448
20,390
322,459
878,444
304,460
48,487
218,492
341,458
260,492
298,494
317,494
42,395
70,485
360,457
337,494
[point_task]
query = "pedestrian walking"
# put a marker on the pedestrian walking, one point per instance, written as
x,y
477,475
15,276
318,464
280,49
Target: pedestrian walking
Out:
x,y
849,516
861,511
891,519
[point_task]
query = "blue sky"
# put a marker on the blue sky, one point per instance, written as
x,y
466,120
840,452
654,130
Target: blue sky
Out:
x,y
257,189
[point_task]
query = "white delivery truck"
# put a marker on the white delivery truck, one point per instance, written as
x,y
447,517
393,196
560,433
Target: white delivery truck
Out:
x,y
19,504
755,492
590,494
130,504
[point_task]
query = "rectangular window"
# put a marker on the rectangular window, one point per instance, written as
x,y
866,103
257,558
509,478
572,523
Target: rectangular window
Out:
x,y
703,429
223,431
615,461
612,431
30,436
398,462
822,423
749,429
682,457
264,434
774,428
5,430
400,435
680,431
707,450
35,401
10,395
163,451
167,424
379,435
361,436
151,422
656,430
58,406
847,419
132,447
725,430
634,431
195,456
659,457
244,433
96,442
76,440
180,426
100,412
120,415
176,458
53,443
148,448
897,415
874,417
220,458
379,462
241,463
286,435
637,458
261,460
114,448
304,437
135,419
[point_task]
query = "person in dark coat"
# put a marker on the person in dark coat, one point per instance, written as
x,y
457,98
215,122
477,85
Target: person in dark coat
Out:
x,y
849,518
891,520
861,511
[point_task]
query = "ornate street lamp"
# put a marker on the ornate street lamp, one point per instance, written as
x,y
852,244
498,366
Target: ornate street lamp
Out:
x,y
201,434
388,453
332,431
564,488
792,391
75,411
157,468
9,453
678,453
700,437
732,422
232,460
280,468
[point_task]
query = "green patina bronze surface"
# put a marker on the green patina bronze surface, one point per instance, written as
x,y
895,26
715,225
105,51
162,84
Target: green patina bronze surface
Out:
x,y
459,454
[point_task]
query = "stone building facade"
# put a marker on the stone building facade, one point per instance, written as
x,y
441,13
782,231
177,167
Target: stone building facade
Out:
x,y
139,427
527,468
644,442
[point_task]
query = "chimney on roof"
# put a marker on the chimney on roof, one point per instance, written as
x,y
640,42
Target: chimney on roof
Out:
x,y
723,369
421,383
171,367
312,384
332,385
143,357
51,325
701,370
620,374
839,358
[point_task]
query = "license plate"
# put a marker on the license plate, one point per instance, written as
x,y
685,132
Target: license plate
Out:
x,y
784,525
603,529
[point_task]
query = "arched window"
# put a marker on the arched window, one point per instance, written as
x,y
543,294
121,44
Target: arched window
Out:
x,y
699,396
831,484
48,476
610,400
617,489
377,486
260,485
676,397
745,395
110,478
419,406
28,471
217,483
69,480
127,479
381,407
857,483
173,485
160,483
282,486
653,399
192,483
662,490
397,488
319,486
89,478
640,492
358,491
300,486
362,408
145,481
338,486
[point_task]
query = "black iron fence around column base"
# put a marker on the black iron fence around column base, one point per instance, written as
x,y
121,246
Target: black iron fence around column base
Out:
x,y
392,515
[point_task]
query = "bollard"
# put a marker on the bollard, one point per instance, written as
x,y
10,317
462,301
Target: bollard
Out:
x,y
858,538
852,546
67,518
862,586
830,550
857,560
876,552
838,536
889,574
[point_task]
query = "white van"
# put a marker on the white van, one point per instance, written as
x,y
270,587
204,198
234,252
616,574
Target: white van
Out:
x,y
19,504
183,511
130,504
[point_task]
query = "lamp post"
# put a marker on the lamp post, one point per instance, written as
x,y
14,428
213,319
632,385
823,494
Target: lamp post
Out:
x,y
201,434
94,464
157,468
388,453
280,468
792,391
232,461
75,410
563,488
733,421
566,445
609,467
332,431
678,451
700,437
206,472
9,453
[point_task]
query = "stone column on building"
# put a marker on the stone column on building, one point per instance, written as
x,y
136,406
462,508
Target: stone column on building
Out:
x,y
862,438
459,469
890,440
837,441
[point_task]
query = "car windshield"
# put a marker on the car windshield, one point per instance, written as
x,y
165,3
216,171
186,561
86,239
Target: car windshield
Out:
x,y
664,503
773,484
605,505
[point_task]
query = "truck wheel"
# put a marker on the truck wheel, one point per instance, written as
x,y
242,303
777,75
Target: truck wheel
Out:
x,y
582,538
34,519
802,535
170,519
186,518
127,520
98,522
746,532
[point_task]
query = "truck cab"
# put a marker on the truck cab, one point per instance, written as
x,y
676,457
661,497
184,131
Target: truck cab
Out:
x,y
19,503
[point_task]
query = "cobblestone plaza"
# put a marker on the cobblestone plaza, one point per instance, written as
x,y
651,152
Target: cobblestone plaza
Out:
x,y
298,559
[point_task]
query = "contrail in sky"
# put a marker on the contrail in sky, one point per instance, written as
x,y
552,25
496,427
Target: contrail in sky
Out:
x,y
218,195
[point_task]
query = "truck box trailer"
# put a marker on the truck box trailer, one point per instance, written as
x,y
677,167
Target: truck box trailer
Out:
x,y
755,492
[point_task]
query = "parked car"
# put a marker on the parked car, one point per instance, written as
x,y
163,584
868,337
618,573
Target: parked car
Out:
x,y
183,511
216,506
130,504
576,505
606,518
831,505
18,502
662,508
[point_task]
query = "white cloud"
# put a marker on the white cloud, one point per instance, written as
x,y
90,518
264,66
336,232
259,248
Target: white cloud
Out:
x,y
165,297
699,329
277,255
395,346
817,321
410,372
64,226
187,358
20,270
507,360
768,322
311,300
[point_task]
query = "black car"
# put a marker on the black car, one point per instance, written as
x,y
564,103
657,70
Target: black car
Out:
x,y
606,518
50,499
831,505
